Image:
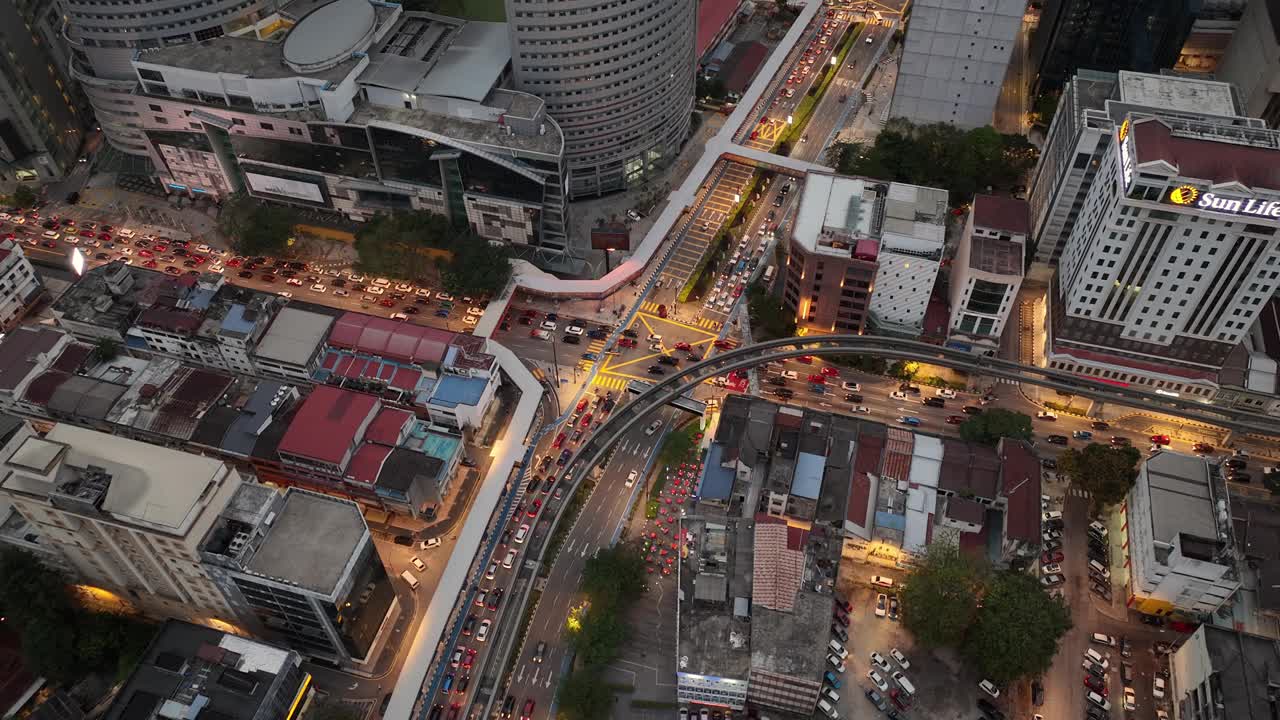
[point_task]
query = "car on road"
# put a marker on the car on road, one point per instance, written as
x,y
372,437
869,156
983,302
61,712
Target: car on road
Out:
x,y
417,563
653,427
429,543
492,572
897,395
482,632
1160,440
989,688
1048,415
631,477
1082,435
1120,441
1057,439
956,419
1202,448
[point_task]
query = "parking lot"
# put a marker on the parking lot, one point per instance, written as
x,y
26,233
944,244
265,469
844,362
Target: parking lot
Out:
x,y
943,688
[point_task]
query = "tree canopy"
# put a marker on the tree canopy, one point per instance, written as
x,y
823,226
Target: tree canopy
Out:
x,y
22,197
61,640
1108,473
1017,628
940,598
988,427
256,227
408,244
939,155
1003,621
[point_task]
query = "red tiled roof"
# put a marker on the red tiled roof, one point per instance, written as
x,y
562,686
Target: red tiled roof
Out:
x,y
866,460
997,212
743,63
406,379
974,544
1123,360
969,467
778,568
170,320
712,16
326,424
390,339
1216,162
367,462
897,456
1020,484
386,427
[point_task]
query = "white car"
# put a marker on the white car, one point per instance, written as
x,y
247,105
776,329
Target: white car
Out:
x,y
420,292
836,663
1130,699
897,395
318,288
631,477
877,680
482,632
861,409
1051,569
522,533
882,604
417,562
374,290
850,386
790,375
443,296
653,427
1047,415
429,543
989,688
509,560
573,330
945,393
475,311
901,659
383,282
1157,688
470,320
878,660
284,294
548,325
355,278
492,572
404,288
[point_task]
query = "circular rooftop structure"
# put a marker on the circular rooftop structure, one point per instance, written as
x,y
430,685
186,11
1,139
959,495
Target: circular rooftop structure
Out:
x,y
329,35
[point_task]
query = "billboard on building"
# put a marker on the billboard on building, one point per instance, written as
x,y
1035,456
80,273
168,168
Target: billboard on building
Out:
x,y
309,192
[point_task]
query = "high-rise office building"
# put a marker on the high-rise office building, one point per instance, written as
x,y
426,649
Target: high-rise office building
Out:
x,y
987,273
618,77
105,37
41,125
1175,254
1108,35
954,59
1215,24
127,516
1093,104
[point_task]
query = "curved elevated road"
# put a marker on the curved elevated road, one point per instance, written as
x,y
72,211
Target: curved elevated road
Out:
x,y
554,605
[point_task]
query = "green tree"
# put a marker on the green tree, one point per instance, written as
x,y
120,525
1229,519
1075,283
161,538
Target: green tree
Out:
x,y
1108,473
994,424
871,364
940,597
256,227
22,197
613,576
712,88
769,317
585,696
332,709
478,267
1017,628
677,445
1046,106
105,350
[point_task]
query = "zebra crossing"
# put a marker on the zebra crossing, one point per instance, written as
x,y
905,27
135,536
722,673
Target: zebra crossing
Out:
x,y
609,382
651,308
1078,492
595,347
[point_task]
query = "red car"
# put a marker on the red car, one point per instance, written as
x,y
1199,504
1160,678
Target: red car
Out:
x,y
626,342
1160,439
1095,685
830,371
806,359
88,233
387,303
724,345
235,262
586,421
683,346
582,405
955,419
558,441
527,712
105,237
662,311
470,659
1051,556
818,379
534,508
150,264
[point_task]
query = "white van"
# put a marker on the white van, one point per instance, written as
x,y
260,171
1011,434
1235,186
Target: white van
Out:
x,y
904,683
1098,700
1098,530
830,694
837,649
1096,657
409,579
828,709
1100,569
882,581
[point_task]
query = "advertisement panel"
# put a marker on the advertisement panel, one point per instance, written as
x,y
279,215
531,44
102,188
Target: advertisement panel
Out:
x,y
309,192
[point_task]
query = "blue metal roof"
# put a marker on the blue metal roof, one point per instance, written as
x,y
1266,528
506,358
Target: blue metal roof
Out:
x,y
454,390
717,481
807,482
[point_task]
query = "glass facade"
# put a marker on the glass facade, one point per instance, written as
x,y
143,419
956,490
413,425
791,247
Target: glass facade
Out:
x,y
332,160
405,157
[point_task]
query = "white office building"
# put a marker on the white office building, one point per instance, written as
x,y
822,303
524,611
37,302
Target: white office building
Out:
x,y
987,273
126,516
1181,555
913,233
1174,256
1092,106
20,287
954,59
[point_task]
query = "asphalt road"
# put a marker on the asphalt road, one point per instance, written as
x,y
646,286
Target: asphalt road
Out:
x,y
596,527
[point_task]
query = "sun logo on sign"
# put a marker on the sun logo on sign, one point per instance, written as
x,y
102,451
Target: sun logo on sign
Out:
x,y
1123,132
1184,195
